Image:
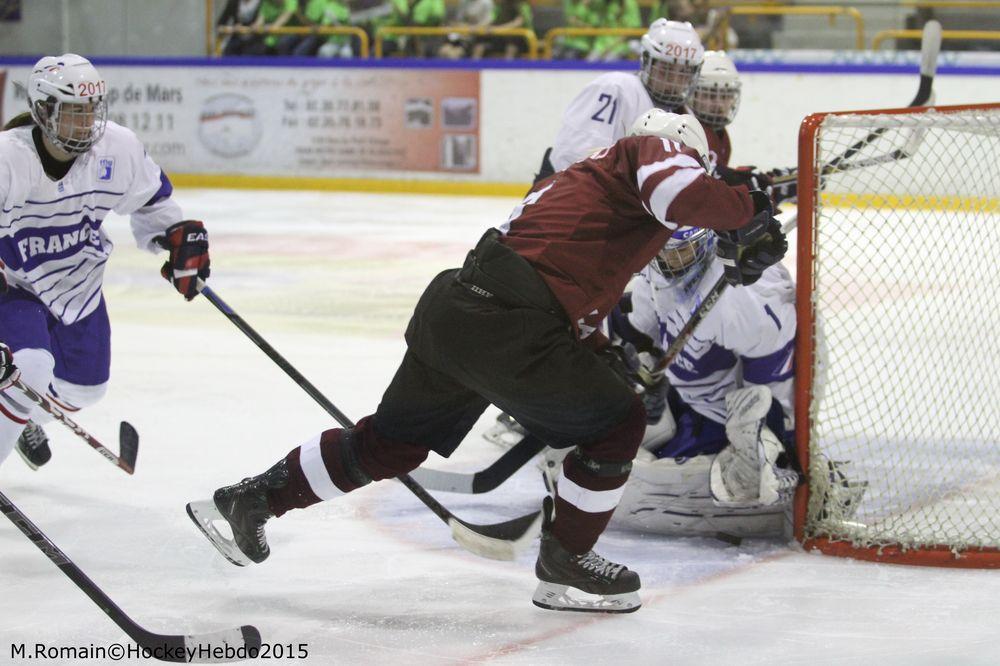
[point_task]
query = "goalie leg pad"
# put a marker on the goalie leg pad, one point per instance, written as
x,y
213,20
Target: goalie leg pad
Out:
x,y
746,472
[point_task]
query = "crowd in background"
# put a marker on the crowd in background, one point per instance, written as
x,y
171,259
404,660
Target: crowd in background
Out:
x,y
489,15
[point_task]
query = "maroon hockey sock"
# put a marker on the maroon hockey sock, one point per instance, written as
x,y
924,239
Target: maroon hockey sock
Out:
x,y
592,479
296,494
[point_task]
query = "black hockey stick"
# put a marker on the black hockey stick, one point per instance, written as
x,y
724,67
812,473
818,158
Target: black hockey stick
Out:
x,y
486,480
529,446
128,438
501,541
227,645
930,47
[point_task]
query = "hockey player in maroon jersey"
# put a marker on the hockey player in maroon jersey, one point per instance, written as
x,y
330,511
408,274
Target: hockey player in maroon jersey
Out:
x,y
517,326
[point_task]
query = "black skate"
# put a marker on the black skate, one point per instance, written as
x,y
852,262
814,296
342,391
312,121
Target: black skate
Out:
x,y
33,446
244,507
606,587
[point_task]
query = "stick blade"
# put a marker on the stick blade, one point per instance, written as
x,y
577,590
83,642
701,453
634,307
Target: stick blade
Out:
x,y
223,646
501,541
128,446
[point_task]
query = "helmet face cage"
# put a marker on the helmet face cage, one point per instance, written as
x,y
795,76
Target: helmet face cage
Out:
x,y
716,104
67,102
685,256
668,83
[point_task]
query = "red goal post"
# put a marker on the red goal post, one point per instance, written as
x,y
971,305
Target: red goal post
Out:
x,y
898,350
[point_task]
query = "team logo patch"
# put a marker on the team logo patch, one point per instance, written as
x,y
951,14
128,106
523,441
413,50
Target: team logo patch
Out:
x,y
105,168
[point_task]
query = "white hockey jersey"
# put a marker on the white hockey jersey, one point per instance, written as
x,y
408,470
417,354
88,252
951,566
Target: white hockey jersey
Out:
x,y
52,243
748,337
604,111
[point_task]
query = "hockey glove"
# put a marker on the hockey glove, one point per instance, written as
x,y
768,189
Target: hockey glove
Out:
x,y
8,371
187,242
784,184
745,175
749,250
624,361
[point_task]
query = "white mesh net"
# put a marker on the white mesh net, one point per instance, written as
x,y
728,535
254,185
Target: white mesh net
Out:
x,y
907,304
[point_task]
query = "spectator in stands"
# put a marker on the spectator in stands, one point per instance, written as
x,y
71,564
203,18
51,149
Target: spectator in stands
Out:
x,y
580,14
618,14
325,13
505,14
416,13
238,13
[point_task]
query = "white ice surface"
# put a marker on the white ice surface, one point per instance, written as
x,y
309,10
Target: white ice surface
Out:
x,y
329,280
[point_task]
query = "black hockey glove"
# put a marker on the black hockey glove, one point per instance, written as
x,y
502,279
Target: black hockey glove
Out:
x,y
784,184
745,175
749,250
624,361
8,371
187,242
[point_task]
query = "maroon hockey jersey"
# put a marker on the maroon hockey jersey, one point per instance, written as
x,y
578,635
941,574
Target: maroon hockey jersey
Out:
x,y
588,229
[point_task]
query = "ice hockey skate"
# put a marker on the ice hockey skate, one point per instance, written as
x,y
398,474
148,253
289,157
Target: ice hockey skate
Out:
x,y
584,583
33,446
243,506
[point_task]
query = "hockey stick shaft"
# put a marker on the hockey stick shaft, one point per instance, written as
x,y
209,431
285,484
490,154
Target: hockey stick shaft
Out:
x,y
174,648
128,438
489,532
930,48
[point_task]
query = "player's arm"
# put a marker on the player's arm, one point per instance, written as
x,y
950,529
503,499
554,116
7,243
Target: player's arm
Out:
x,y
593,120
157,223
760,329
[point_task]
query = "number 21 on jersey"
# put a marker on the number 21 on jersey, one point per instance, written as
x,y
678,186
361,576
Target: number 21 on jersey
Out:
x,y
609,107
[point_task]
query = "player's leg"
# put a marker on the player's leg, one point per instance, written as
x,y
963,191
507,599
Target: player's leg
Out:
x,y
24,322
81,354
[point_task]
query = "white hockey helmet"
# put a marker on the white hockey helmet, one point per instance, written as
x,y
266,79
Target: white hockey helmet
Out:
x,y
671,56
716,96
685,256
682,127
67,98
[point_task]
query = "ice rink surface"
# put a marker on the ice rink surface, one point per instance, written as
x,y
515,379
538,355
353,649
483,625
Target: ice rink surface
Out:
x,y
330,280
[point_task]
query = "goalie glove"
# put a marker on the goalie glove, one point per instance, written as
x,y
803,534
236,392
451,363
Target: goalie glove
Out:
x,y
784,184
187,242
749,250
8,371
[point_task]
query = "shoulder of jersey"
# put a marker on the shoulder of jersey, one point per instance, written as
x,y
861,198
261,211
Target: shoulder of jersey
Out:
x,y
118,135
15,141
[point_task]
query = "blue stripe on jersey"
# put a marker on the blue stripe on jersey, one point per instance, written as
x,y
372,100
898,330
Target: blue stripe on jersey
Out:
x,y
166,189
689,368
775,367
32,247
90,209
81,282
73,196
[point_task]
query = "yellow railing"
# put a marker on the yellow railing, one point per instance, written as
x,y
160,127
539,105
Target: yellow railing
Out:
x,y
883,35
548,42
443,31
770,10
323,31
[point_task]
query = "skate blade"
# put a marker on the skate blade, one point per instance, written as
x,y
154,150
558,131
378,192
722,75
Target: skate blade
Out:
x,y
552,596
204,514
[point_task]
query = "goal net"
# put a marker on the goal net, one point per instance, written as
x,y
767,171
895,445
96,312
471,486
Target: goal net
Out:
x,y
898,356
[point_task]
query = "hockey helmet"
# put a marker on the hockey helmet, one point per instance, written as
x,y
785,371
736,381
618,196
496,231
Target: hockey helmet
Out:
x,y
671,57
682,127
685,255
67,99
716,95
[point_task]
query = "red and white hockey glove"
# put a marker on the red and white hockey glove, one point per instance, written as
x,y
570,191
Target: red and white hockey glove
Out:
x,y
8,371
187,242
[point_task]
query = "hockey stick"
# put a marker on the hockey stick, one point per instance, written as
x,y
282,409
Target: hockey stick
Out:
x,y
128,438
930,47
227,645
529,446
501,541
